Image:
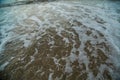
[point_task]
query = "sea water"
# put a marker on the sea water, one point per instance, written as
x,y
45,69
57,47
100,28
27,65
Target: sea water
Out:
x,y
9,16
6,20
6,1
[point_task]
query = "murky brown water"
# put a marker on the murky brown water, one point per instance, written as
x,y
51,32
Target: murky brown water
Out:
x,y
41,59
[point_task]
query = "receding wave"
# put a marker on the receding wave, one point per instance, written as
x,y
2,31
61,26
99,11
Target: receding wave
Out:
x,y
63,40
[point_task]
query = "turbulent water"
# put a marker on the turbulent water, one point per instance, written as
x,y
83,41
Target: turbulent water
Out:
x,y
61,40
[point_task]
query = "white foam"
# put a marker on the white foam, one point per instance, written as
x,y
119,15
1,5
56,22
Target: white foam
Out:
x,y
50,76
51,43
32,59
66,40
68,68
56,61
36,19
70,12
27,43
3,66
73,57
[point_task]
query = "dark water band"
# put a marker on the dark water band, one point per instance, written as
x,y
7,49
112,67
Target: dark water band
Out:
x,y
16,3
21,3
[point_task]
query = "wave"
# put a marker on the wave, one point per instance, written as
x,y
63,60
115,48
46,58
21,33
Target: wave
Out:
x,y
60,40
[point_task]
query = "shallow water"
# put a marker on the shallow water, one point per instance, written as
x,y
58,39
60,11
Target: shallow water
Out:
x,y
6,1
55,40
